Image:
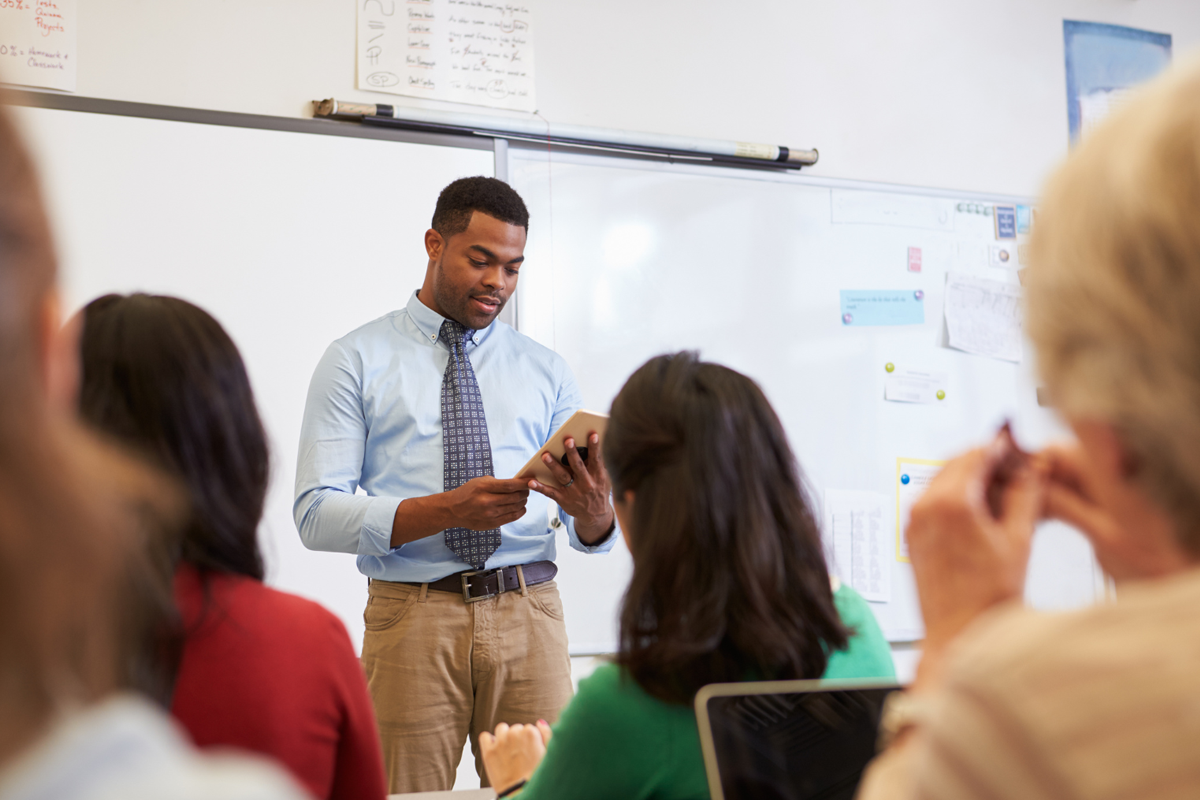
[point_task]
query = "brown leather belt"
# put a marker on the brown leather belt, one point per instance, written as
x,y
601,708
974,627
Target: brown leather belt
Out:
x,y
482,584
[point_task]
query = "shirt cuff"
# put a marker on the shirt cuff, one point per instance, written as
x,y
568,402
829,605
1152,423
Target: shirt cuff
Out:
x,y
376,537
602,546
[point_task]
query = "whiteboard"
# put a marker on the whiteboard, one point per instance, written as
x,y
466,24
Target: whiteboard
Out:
x,y
628,259
289,239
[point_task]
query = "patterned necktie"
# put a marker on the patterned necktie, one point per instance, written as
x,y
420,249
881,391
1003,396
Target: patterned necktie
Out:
x,y
467,449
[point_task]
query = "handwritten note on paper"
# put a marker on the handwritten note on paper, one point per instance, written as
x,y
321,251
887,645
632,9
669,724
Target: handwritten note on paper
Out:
x,y
464,51
37,43
983,317
856,542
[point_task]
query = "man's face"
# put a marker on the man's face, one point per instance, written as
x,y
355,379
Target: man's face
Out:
x,y
475,272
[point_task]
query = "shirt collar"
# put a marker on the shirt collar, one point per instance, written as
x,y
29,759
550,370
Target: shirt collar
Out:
x,y
429,322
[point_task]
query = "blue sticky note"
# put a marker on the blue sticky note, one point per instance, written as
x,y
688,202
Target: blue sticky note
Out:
x,y
882,307
1006,222
1024,218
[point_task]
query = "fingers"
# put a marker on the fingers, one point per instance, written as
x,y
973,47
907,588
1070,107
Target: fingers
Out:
x,y
579,470
1022,503
544,729
560,473
487,742
505,486
549,491
595,462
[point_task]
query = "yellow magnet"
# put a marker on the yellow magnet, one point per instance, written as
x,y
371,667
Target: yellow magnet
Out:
x,y
890,367
941,395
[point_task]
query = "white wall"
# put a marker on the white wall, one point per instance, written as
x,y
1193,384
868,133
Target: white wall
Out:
x,y
963,94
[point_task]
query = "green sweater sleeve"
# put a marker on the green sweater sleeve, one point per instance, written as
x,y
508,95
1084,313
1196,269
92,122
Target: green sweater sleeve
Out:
x,y
867,655
614,740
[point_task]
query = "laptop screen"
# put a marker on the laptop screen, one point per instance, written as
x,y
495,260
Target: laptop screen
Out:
x,y
775,742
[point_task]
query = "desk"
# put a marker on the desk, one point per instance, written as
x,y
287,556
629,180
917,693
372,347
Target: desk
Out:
x,y
466,794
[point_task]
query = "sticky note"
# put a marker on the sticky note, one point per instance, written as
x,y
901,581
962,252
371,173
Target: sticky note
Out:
x,y
913,476
882,307
1006,222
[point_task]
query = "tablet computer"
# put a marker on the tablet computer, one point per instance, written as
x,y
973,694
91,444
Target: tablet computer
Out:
x,y
789,740
579,426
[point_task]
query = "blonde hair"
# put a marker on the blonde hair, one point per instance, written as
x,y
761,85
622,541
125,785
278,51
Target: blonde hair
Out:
x,y
1114,288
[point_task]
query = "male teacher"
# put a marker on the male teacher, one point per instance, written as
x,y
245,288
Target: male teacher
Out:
x,y
431,411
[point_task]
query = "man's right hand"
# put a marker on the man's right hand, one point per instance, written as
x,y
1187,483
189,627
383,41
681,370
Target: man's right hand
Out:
x,y
484,503
479,505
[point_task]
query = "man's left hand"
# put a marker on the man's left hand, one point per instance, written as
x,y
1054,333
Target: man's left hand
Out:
x,y
582,490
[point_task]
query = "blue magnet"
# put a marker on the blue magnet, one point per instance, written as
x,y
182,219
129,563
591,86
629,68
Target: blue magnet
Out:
x,y
905,479
847,319
920,295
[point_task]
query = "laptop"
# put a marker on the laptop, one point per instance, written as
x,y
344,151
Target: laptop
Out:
x,y
789,740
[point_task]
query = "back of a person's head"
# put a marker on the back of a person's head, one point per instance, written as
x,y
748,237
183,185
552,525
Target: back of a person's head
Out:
x,y
163,377
729,578
1114,289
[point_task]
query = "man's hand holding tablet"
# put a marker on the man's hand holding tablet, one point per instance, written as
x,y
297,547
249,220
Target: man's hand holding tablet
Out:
x,y
581,488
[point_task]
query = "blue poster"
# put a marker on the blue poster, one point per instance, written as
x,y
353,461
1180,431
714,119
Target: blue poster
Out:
x,y
883,307
1103,63
1006,222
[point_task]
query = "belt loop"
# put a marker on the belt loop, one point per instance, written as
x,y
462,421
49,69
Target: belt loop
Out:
x,y
423,593
521,580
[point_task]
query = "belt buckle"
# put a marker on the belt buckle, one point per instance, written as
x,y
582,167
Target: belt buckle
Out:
x,y
465,577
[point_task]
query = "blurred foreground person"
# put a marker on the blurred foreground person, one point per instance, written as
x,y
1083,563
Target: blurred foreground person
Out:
x,y
1098,703
75,519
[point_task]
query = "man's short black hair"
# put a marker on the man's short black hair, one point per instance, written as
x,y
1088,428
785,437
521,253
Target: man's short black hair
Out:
x,y
488,195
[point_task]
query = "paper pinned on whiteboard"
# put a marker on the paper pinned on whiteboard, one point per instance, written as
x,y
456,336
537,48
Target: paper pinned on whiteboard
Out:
x,y
915,386
37,43
852,206
913,476
983,317
856,542
464,51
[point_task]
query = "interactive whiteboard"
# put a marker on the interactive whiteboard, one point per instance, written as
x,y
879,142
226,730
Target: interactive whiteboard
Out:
x,y
629,259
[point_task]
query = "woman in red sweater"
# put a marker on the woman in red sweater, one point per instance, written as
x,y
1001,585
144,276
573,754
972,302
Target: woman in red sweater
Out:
x,y
253,668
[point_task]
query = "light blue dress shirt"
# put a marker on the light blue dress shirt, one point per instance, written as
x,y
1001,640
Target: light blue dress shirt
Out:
x,y
373,420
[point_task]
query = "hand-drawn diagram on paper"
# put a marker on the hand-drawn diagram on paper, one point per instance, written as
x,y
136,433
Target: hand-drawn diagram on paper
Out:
x,y
983,317
465,51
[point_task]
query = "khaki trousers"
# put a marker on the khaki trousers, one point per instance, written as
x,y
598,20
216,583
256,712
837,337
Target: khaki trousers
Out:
x,y
440,669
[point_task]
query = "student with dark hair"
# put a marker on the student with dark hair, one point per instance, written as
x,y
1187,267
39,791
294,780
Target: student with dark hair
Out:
x,y
429,411
729,584
75,516
259,670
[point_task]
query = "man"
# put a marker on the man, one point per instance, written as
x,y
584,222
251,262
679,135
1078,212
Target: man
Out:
x,y
430,410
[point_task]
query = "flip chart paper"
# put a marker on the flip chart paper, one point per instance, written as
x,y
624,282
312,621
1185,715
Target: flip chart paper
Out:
x,y
912,479
856,542
983,317
37,43
914,386
882,307
464,51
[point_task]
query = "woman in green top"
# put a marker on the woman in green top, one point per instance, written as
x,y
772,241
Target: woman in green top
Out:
x,y
729,584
